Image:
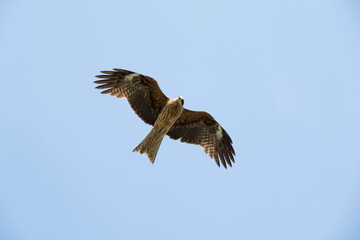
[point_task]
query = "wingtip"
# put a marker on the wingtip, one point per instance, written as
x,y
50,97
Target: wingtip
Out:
x,y
107,72
216,160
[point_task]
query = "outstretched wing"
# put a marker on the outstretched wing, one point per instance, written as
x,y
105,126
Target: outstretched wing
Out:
x,y
201,128
142,92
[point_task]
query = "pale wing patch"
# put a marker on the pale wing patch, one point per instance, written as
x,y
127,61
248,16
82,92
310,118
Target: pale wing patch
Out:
x,y
130,77
127,87
219,132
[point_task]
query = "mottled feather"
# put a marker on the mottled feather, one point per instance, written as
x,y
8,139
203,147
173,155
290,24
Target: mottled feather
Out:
x,y
142,92
200,128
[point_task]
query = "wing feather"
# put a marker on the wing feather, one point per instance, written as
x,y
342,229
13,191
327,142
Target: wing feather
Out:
x,y
200,128
142,92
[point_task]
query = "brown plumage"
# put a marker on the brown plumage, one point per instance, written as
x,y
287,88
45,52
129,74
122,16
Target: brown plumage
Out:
x,y
167,116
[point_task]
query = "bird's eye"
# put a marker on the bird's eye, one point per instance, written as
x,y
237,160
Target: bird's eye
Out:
x,y
182,101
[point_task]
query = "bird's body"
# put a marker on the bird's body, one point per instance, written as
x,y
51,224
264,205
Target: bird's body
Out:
x,y
166,119
168,116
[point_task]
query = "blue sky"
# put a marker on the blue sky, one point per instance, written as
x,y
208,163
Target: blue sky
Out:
x,y
282,77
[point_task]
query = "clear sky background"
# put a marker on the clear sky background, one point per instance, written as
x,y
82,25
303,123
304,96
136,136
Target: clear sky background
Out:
x,y
282,77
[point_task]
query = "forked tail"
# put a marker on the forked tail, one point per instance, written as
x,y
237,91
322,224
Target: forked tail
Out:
x,y
151,143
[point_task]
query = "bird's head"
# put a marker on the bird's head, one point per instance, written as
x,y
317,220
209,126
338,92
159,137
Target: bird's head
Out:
x,y
181,99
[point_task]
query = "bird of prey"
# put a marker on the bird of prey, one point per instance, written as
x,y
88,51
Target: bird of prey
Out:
x,y
168,116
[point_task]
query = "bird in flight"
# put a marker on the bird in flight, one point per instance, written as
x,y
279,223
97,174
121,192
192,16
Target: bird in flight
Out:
x,y
168,116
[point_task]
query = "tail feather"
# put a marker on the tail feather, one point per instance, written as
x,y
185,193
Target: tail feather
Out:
x,y
150,145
